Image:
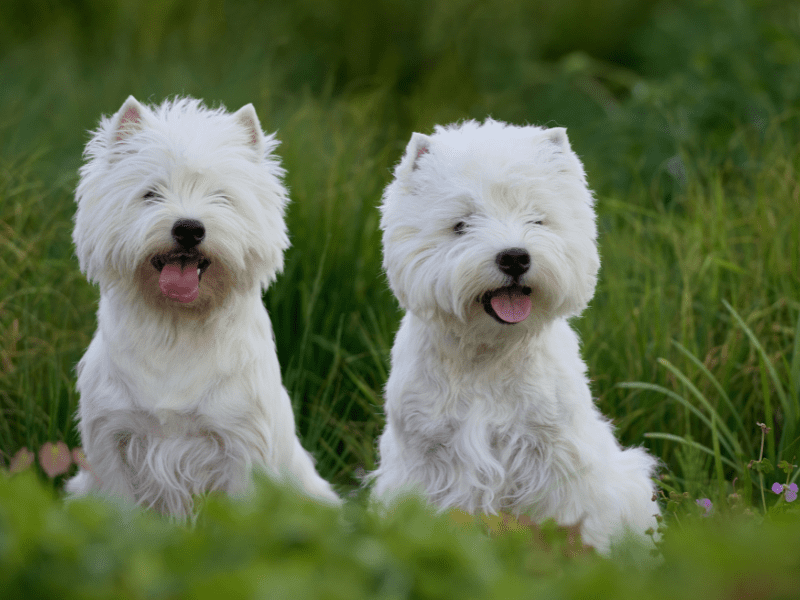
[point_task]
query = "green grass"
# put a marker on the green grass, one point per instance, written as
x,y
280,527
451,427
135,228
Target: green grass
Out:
x,y
685,114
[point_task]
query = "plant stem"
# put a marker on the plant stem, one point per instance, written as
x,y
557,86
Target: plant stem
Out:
x,y
760,472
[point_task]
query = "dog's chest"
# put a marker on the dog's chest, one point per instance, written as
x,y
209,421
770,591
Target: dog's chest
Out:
x,y
488,449
496,416
171,457
501,437
170,381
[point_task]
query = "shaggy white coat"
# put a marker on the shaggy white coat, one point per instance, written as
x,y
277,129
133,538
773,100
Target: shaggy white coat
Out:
x,y
488,416
178,398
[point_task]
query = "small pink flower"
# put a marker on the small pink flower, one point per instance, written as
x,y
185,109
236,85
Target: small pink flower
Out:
x,y
777,488
55,459
79,458
21,460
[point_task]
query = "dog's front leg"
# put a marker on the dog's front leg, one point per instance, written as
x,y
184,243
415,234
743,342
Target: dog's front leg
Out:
x,y
106,468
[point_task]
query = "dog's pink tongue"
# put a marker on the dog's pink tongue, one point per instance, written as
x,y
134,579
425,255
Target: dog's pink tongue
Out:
x,y
512,306
179,284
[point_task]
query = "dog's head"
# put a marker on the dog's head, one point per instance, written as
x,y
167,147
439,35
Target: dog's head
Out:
x,y
182,201
490,225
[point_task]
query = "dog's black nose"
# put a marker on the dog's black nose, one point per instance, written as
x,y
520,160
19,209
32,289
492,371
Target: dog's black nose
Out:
x,y
514,262
187,233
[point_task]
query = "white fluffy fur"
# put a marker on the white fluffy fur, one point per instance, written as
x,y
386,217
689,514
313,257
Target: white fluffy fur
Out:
x,y
489,416
182,398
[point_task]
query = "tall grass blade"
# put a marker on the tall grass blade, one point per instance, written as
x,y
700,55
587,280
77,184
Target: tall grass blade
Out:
x,y
789,407
718,386
731,443
640,385
681,440
718,459
794,369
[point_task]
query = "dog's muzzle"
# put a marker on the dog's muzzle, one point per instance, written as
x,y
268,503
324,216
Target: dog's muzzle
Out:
x,y
511,303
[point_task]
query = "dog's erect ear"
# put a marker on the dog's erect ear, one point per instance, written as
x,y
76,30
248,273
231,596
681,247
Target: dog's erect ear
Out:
x,y
418,146
567,161
558,137
128,120
247,118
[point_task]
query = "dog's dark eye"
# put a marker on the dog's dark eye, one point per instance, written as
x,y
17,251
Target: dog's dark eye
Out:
x,y
460,227
539,222
220,197
151,196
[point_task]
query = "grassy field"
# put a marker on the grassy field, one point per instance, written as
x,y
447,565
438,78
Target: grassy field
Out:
x,y
686,114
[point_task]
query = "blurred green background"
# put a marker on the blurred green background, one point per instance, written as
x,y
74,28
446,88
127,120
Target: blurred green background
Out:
x,y
685,114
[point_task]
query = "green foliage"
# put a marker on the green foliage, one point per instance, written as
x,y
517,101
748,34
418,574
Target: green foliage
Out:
x,y
275,544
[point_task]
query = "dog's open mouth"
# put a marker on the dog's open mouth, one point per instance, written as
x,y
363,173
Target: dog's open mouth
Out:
x,y
180,274
510,304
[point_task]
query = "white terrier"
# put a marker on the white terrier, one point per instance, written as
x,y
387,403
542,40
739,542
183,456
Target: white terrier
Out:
x,y
489,245
180,221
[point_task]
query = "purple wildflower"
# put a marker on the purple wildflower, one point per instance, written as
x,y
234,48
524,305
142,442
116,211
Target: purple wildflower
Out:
x,y
791,491
707,504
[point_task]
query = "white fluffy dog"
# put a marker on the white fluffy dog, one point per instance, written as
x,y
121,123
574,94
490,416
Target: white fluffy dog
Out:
x,y
180,221
489,244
